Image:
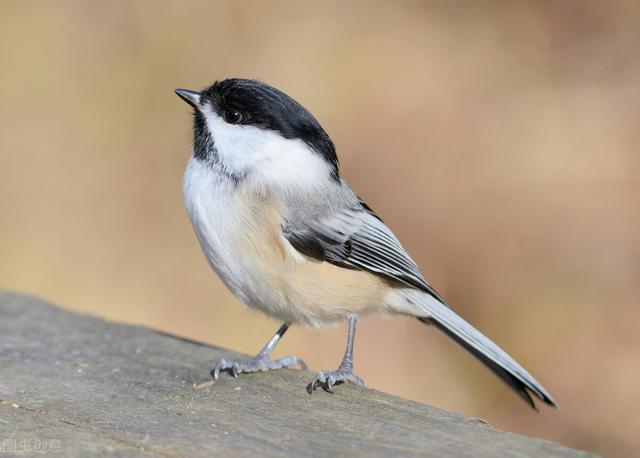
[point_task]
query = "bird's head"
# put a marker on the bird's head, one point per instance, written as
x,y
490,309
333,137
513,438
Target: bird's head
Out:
x,y
252,131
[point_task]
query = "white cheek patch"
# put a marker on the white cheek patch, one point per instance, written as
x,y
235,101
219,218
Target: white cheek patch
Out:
x,y
266,156
233,143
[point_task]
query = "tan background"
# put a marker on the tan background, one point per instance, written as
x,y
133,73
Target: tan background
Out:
x,y
500,140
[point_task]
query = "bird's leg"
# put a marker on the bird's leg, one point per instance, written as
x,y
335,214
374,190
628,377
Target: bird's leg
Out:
x,y
262,361
344,372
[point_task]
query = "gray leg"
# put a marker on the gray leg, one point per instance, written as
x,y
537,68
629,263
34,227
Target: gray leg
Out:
x,y
262,361
344,373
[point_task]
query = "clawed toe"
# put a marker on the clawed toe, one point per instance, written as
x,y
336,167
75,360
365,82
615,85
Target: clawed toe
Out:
x,y
258,364
289,362
327,379
226,364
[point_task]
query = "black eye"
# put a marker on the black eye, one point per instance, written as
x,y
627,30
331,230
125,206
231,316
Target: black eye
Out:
x,y
232,116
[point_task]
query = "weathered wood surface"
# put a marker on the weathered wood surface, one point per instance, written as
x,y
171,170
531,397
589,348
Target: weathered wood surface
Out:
x,y
80,386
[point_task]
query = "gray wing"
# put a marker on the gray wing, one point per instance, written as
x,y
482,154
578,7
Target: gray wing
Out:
x,y
355,237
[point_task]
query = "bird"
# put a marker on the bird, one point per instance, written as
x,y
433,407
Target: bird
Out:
x,y
289,237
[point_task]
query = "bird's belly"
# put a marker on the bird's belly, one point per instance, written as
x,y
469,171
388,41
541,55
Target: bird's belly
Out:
x,y
242,239
266,273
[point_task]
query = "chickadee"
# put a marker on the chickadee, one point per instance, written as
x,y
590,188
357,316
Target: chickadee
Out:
x,y
288,236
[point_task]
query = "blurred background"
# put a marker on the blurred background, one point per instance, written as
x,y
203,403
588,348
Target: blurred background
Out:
x,y
499,140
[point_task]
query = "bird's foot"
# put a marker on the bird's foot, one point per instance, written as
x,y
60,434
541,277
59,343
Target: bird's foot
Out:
x,y
257,364
327,379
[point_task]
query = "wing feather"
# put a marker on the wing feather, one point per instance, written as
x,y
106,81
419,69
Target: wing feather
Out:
x,y
355,237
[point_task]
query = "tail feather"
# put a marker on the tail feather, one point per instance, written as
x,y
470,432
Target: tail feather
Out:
x,y
432,311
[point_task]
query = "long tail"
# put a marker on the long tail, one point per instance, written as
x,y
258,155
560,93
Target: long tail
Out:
x,y
430,310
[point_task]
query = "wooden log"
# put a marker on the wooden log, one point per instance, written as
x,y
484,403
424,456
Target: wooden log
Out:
x,y
80,386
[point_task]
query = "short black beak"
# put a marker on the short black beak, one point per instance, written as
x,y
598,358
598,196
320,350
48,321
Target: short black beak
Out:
x,y
191,97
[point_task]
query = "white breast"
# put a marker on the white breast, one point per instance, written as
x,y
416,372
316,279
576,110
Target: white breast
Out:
x,y
217,215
